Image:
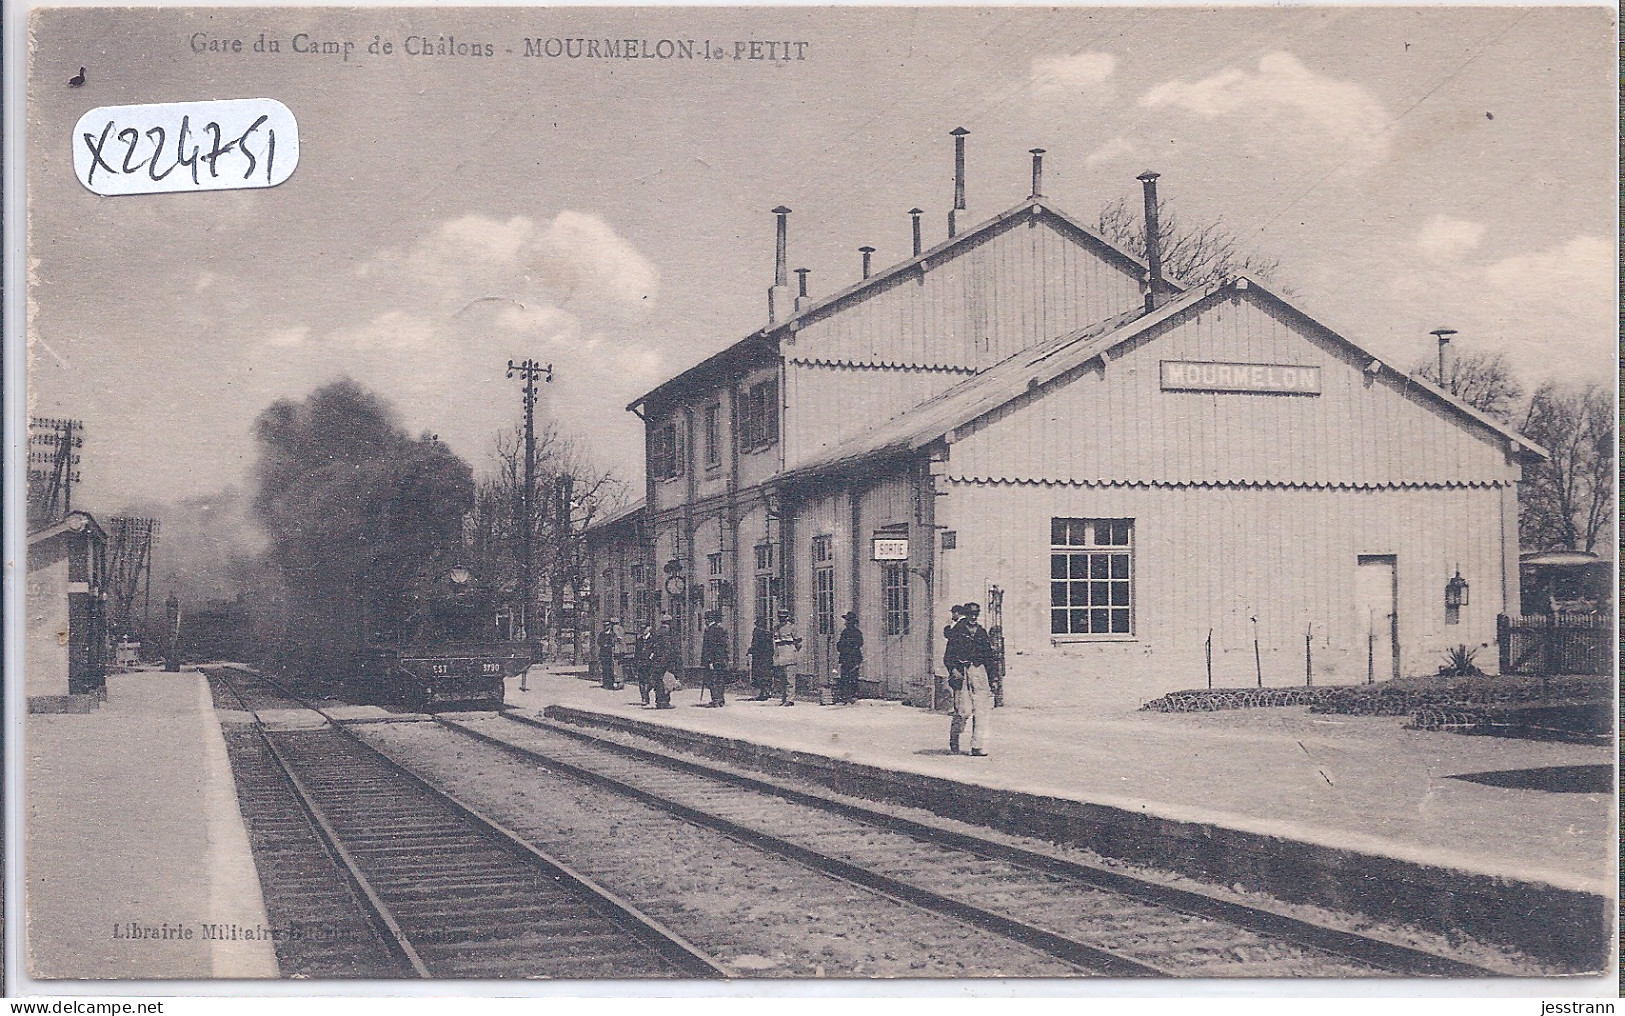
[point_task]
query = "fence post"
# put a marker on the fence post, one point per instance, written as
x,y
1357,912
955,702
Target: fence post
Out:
x,y
1503,639
1308,657
1258,661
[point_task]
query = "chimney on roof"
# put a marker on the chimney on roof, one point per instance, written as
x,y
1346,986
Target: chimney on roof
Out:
x,y
1038,172
1154,294
915,214
957,216
778,295
867,252
801,283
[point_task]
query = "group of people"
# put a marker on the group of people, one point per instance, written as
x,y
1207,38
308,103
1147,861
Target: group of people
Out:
x,y
654,658
774,654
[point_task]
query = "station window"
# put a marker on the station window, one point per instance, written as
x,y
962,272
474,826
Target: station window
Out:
x,y
759,423
895,587
1091,570
666,452
713,435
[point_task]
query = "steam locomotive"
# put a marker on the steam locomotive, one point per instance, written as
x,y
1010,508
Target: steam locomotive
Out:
x,y
453,657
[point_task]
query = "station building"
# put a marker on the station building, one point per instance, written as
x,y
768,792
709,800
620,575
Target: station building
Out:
x,y
66,662
1143,484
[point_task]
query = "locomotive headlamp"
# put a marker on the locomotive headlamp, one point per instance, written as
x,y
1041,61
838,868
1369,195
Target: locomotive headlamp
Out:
x,y
1455,591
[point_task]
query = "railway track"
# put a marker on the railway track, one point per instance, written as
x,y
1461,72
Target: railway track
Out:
x,y
1099,920
449,893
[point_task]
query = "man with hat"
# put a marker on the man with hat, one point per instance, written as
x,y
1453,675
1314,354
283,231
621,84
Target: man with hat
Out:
x,y
849,651
665,659
968,652
786,654
715,658
761,659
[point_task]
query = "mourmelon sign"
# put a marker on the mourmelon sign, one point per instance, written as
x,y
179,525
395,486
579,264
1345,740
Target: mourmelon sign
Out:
x,y
1185,375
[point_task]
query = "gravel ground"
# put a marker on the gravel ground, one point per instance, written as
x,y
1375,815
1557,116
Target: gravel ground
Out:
x,y
757,914
1467,950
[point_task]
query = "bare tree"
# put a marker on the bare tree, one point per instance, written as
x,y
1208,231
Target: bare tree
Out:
x,y
1568,502
1482,380
572,492
1195,253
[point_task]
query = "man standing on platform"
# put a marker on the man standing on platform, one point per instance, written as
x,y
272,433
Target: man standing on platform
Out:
x,y
953,638
761,659
849,651
606,655
715,658
973,700
665,661
786,655
643,661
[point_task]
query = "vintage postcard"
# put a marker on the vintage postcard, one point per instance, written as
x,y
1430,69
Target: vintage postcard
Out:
x,y
760,493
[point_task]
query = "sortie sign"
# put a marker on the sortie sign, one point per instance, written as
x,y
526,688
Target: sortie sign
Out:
x,y
1184,375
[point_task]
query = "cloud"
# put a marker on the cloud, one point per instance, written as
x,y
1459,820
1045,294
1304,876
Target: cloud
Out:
x,y
1443,238
1116,148
577,255
1078,74
1551,311
1283,99
284,338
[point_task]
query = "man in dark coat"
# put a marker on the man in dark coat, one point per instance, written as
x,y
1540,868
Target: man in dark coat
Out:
x,y
664,659
643,661
606,655
761,659
715,658
973,700
849,651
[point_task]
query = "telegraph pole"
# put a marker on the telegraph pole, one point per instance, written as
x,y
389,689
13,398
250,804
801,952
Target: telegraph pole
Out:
x,y
530,371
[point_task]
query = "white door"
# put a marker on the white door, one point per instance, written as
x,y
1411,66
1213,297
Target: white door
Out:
x,y
1376,596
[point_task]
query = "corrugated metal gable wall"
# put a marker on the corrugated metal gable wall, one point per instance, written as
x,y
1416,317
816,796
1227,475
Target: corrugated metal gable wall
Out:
x,y
1118,426
1025,283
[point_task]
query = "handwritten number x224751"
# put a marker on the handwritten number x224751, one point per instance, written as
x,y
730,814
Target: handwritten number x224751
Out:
x,y
189,146
186,152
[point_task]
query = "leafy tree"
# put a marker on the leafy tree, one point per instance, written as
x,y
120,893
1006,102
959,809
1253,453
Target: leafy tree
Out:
x,y
1482,380
358,515
1195,253
1568,502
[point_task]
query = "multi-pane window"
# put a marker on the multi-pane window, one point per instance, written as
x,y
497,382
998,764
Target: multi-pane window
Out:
x,y
895,589
764,599
1091,570
759,416
766,587
713,435
714,585
666,452
823,555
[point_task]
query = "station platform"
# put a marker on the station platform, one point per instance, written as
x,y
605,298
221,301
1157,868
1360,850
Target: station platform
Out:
x,y
1359,806
136,860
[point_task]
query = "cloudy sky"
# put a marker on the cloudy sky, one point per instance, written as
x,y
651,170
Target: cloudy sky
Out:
x,y
1408,168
